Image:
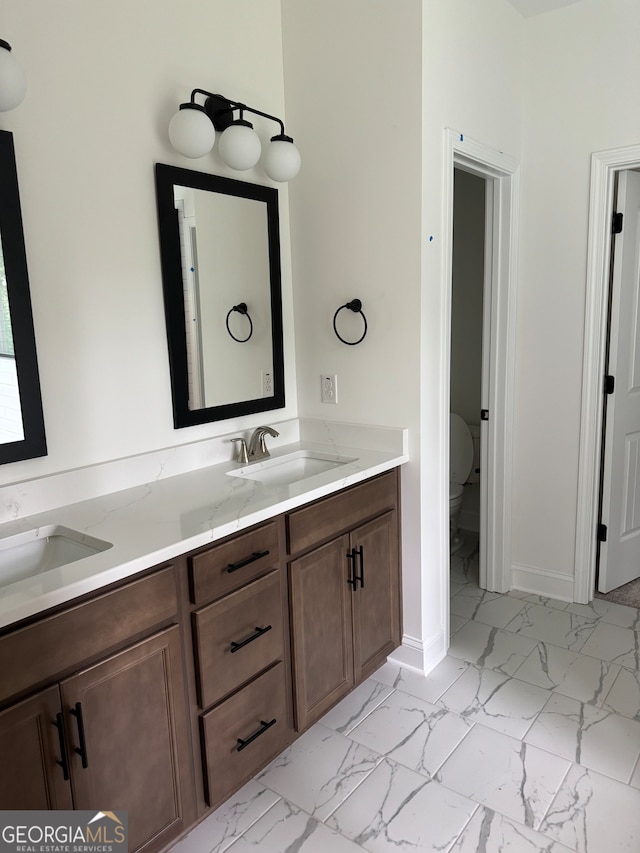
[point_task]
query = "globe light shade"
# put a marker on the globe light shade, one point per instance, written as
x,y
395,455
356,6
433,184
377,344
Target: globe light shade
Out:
x,y
281,160
13,83
191,131
240,146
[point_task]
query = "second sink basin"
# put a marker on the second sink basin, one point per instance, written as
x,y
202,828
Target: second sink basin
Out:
x,y
27,554
291,468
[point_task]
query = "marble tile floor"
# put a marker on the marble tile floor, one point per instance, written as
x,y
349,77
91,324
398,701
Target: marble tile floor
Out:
x,y
525,738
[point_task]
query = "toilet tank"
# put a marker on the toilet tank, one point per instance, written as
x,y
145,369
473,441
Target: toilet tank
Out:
x,y
474,476
460,450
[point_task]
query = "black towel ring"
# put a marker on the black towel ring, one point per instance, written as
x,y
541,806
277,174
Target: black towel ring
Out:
x,y
356,306
241,308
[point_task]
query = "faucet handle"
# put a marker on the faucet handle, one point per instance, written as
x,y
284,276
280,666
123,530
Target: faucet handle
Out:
x,y
241,450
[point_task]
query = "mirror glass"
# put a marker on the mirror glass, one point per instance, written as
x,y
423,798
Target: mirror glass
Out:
x,y
22,433
11,422
220,252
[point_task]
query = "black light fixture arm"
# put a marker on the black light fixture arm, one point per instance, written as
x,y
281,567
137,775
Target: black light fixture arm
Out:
x,y
193,129
220,110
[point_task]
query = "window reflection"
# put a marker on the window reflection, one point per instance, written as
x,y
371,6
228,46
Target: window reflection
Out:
x,y
10,409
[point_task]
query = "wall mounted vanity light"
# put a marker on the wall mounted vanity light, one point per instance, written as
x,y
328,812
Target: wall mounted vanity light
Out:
x,y
356,306
240,308
192,132
13,83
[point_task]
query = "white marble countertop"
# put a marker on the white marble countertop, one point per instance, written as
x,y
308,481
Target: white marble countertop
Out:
x,y
152,523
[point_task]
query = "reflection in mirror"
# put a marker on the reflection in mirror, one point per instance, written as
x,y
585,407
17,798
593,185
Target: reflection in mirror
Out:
x,y
218,273
11,418
220,251
21,423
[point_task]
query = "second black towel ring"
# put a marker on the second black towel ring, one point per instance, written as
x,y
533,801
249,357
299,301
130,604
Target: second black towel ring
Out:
x,y
241,308
356,306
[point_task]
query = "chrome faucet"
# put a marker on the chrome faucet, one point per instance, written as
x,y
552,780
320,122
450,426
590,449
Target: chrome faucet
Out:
x,y
257,445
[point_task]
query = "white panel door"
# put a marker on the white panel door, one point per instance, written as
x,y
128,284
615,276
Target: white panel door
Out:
x,y
487,393
620,554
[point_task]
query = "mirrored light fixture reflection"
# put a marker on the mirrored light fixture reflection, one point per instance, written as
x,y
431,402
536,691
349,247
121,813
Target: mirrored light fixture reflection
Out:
x,y
192,132
13,83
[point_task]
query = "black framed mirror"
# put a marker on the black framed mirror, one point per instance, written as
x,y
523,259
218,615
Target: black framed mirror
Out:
x,y
22,434
221,274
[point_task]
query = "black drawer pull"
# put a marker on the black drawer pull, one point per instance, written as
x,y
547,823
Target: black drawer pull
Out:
x,y
360,577
59,724
352,580
257,555
82,749
259,632
263,727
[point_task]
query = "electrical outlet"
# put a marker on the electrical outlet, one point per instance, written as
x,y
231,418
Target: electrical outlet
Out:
x,y
267,383
329,388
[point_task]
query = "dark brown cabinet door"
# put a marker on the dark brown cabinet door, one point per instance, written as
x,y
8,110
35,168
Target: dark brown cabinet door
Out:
x,y
127,729
376,608
30,747
321,630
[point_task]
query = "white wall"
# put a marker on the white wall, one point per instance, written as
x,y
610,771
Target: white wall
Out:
x,y
472,83
581,92
548,90
366,81
104,80
353,82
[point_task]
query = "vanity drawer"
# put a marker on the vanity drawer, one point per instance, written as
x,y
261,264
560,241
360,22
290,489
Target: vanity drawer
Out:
x,y
228,566
245,732
61,642
330,516
237,637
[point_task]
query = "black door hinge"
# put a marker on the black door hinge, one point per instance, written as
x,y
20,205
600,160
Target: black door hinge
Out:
x,y
609,384
616,223
484,414
602,533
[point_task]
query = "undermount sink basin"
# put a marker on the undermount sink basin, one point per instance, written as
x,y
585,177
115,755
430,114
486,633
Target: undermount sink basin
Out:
x,y
291,468
27,554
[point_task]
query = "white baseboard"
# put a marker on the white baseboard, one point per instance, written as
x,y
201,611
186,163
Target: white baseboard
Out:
x,y
409,654
434,650
542,582
419,656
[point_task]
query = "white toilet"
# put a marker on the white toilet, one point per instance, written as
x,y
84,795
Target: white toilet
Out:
x,y
460,462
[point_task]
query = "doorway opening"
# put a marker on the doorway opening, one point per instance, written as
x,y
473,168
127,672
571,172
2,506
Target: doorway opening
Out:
x,y
499,177
606,168
617,557
470,355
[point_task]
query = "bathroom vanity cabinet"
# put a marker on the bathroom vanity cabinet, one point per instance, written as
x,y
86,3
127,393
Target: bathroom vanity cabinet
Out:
x,y
161,696
344,592
108,722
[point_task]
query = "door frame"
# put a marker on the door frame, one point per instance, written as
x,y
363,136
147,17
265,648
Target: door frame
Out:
x,y
504,173
604,167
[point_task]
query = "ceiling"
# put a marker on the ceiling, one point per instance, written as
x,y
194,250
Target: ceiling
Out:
x,y
537,7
